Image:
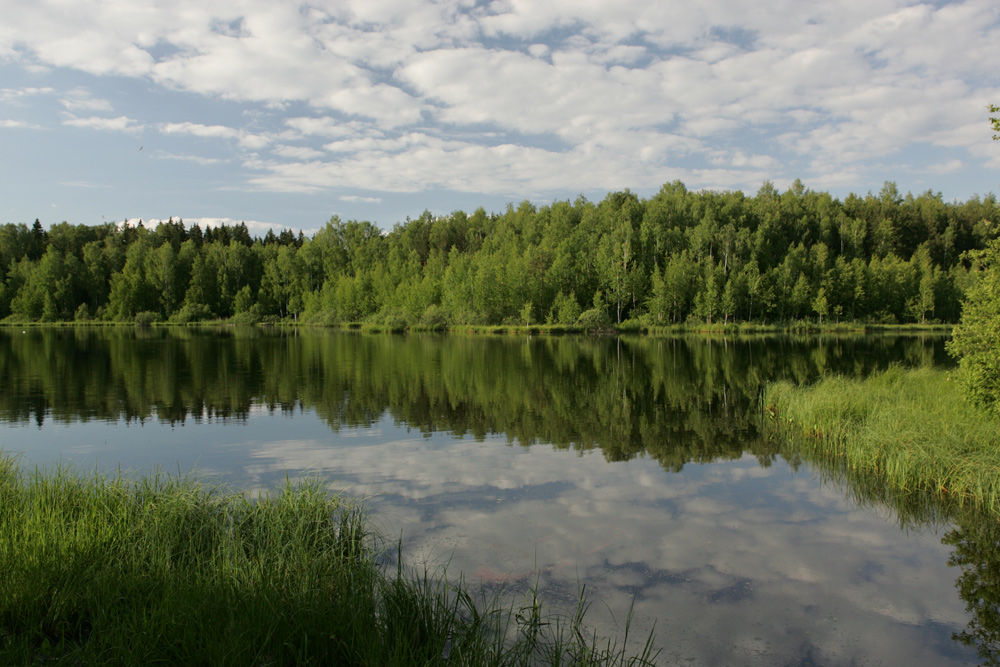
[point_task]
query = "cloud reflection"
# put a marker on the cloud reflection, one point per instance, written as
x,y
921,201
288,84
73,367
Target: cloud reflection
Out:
x,y
733,561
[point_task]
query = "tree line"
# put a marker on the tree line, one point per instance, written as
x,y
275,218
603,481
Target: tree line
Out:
x,y
678,256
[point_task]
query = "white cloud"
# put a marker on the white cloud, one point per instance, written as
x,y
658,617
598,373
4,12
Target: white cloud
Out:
x,y
85,184
119,124
199,130
561,96
15,95
197,159
81,99
94,53
949,167
740,159
19,124
297,152
324,127
246,139
358,198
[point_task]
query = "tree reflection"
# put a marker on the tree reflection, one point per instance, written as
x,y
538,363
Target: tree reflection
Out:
x,y
976,541
677,400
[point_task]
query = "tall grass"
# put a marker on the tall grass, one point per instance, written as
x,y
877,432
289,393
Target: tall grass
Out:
x,y
107,570
911,430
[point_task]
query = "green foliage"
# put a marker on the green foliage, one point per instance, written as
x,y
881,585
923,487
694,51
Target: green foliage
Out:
x,y
705,256
392,320
435,318
565,309
821,306
676,399
159,570
145,318
976,544
251,315
908,429
976,339
595,319
191,313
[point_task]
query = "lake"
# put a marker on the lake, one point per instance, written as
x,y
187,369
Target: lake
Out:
x,y
635,467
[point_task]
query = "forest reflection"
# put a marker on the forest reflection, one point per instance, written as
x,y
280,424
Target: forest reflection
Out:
x,y
677,400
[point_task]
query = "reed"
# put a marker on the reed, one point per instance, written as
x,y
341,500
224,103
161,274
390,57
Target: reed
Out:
x,y
108,570
910,429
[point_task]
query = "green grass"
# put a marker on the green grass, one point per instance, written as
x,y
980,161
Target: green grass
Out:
x,y
106,570
627,327
909,430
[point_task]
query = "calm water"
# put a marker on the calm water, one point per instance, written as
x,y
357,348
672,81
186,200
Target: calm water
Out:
x,y
633,467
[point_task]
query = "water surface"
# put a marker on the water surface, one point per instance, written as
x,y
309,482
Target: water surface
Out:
x,y
633,467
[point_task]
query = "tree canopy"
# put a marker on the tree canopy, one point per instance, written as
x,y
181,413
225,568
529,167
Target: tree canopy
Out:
x,y
976,339
678,256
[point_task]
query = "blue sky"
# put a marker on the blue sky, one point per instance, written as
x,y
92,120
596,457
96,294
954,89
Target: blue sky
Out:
x,y
283,113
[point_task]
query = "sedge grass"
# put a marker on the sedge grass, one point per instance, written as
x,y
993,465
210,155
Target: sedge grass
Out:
x,y
108,570
911,430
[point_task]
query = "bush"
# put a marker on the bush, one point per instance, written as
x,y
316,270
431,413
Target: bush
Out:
x,y
145,318
595,319
565,309
392,320
191,313
435,318
249,316
632,325
976,339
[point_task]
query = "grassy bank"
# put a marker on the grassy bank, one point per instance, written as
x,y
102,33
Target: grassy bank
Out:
x,y
910,430
627,327
101,570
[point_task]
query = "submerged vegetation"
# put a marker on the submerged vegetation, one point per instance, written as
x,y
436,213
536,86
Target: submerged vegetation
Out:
x,y
104,570
911,431
679,257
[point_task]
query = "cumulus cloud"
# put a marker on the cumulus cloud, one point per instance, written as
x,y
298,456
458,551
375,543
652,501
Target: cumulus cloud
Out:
x,y
119,124
359,198
14,95
19,124
199,130
520,97
82,99
197,159
949,167
244,138
297,152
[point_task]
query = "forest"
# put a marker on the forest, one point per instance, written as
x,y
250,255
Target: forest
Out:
x,y
676,257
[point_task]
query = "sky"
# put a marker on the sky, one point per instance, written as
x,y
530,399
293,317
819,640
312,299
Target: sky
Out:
x,y
282,113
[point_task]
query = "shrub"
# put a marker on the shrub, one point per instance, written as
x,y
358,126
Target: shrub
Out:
x,y
191,313
595,319
976,339
435,318
145,318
